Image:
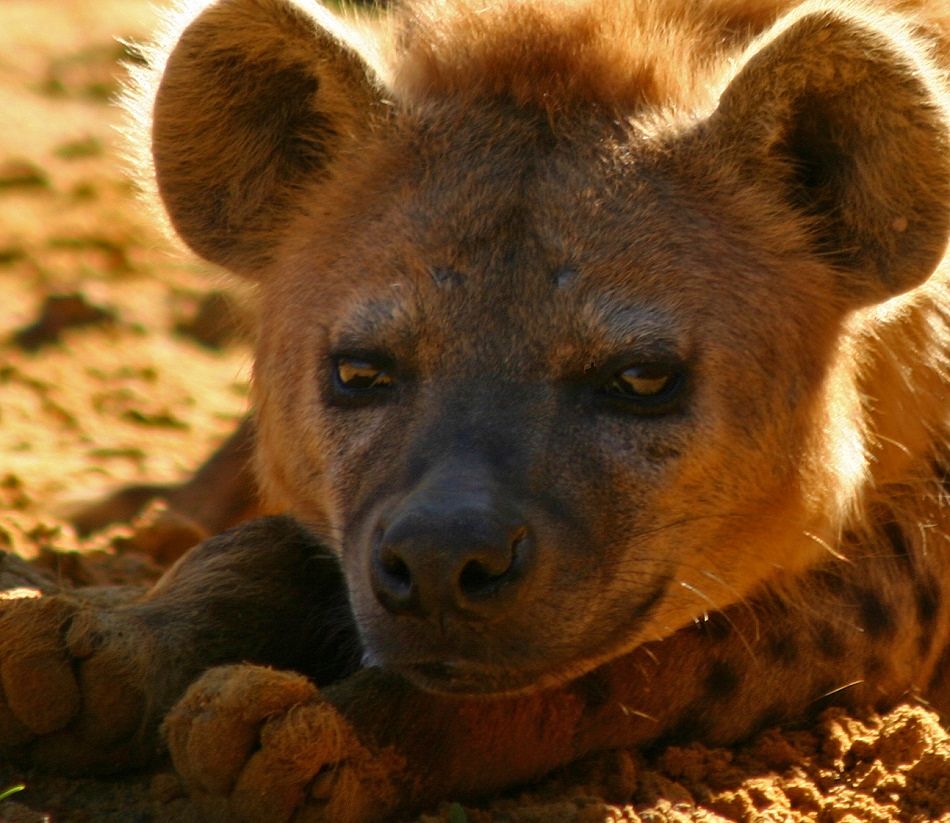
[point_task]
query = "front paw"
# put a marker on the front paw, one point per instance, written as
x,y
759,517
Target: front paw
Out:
x,y
71,699
255,744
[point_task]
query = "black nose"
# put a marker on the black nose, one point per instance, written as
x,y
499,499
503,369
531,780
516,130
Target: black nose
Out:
x,y
449,556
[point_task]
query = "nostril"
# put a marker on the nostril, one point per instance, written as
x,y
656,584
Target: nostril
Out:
x,y
393,581
483,575
478,579
396,570
422,565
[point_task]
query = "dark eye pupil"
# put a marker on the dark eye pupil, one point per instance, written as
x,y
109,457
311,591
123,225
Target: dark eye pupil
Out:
x,y
360,375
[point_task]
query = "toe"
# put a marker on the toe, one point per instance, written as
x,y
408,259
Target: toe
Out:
x,y
41,691
308,740
37,678
216,725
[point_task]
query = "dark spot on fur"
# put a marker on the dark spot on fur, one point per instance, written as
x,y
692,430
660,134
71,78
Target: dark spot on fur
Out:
x,y
927,596
895,536
828,642
928,601
849,538
829,580
942,473
941,672
692,725
654,596
876,616
722,682
825,693
716,627
593,689
874,667
774,714
782,649
445,276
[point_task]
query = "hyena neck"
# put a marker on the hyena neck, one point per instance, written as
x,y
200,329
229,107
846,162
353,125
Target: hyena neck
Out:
x,y
900,509
904,387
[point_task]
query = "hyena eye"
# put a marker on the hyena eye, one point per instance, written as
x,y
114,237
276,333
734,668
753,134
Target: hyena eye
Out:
x,y
647,388
360,376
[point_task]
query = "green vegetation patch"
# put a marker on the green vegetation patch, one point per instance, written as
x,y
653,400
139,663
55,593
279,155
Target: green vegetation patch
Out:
x,y
22,174
80,149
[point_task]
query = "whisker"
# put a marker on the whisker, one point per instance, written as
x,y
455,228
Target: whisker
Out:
x,y
838,690
724,613
740,598
824,544
634,713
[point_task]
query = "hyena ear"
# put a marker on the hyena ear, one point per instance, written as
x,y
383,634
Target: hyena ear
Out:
x,y
844,114
257,98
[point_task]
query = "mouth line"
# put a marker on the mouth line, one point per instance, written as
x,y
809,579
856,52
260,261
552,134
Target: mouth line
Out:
x,y
463,678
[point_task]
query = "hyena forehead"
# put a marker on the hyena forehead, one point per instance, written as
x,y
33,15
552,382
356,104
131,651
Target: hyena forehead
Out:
x,y
574,331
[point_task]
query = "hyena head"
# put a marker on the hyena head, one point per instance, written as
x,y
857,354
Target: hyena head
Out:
x,y
553,333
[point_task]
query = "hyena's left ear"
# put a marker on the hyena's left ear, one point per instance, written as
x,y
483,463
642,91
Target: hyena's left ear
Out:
x,y
257,98
844,115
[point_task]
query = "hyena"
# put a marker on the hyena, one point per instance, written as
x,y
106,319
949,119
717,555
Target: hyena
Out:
x,y
602,365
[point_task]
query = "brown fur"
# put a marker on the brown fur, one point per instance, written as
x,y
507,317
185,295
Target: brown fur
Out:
x,y
504,207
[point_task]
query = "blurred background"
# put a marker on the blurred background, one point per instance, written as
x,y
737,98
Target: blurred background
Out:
x,y
119,356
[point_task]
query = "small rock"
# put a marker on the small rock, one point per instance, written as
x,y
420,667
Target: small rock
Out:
x,y
21,174
59,312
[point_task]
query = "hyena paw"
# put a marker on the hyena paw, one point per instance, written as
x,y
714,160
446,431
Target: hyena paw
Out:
x,y
69,698
255,744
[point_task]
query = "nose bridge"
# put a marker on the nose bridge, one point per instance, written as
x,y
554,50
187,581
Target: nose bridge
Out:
x,y
456,540
478,437
457,508
462,483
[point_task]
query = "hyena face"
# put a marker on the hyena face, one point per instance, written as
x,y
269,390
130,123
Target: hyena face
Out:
x,y
542,399
557,379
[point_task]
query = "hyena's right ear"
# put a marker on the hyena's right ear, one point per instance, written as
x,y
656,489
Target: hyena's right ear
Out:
x,y
257,97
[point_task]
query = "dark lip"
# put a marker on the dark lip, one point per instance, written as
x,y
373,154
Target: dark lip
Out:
x,y
467,679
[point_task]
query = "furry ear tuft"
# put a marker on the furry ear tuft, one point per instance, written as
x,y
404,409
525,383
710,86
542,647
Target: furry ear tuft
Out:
x,y
257,97
844,114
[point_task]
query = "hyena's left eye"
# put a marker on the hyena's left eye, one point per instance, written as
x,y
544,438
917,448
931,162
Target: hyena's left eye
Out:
x,y
647,388
360,377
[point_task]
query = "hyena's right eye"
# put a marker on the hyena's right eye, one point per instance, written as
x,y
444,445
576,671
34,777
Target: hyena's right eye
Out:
x,y
360,377
647,388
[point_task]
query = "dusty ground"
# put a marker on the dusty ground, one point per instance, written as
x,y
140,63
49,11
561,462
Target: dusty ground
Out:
x,y
128,390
